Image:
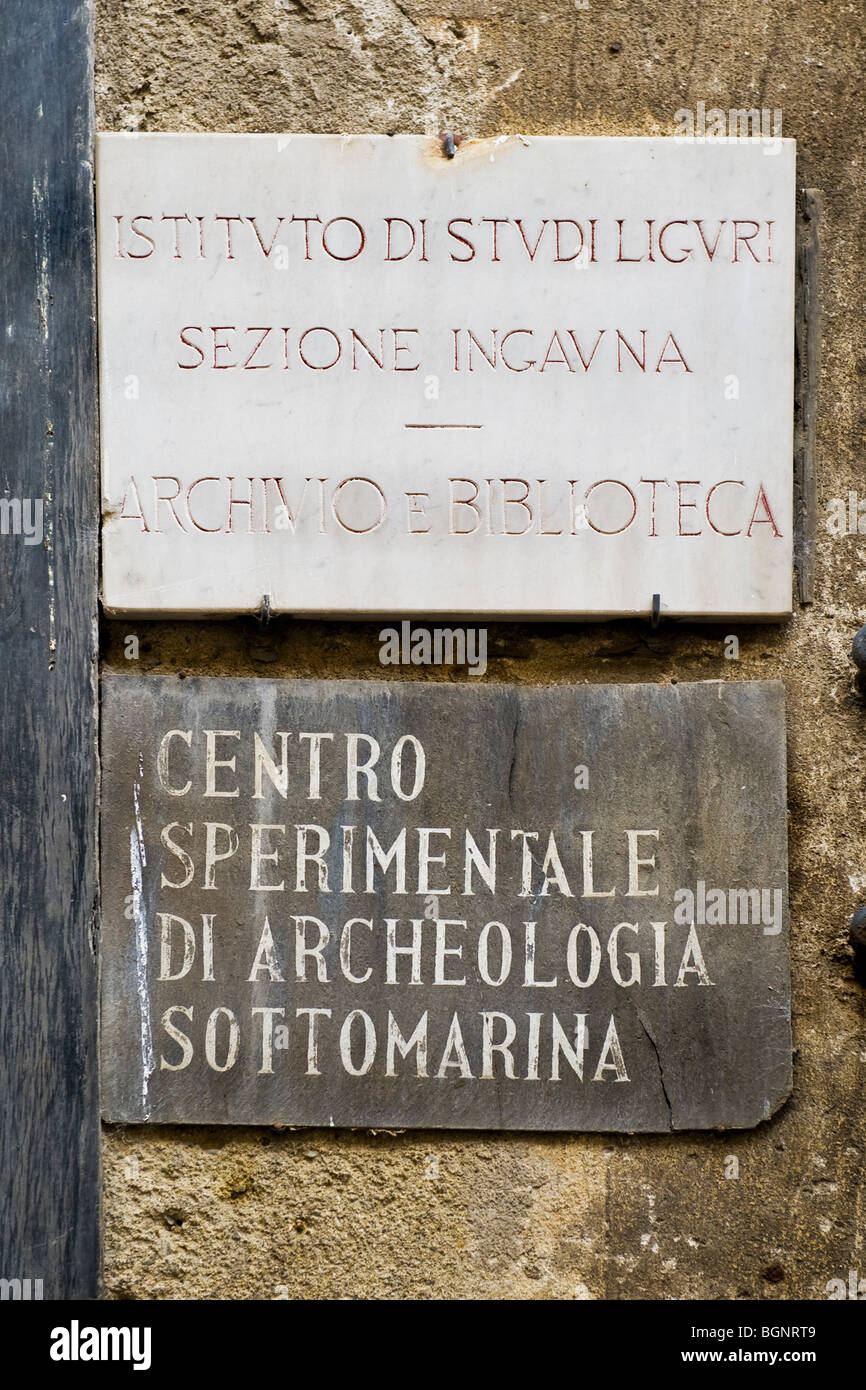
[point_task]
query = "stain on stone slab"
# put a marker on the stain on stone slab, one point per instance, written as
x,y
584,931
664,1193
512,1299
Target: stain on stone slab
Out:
x,y
363,904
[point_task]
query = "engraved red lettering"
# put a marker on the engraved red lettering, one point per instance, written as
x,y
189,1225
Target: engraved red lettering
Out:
x,y
191,366
679,360
616,483
170,499
513,332
621,342
515,502
266,250
473,341
403,347
550,360
306,221
141,255
530,251
318,366
133,516
683,506
230,255
496,222
222,347
654,483
559,223
359,530
586,365
462,239
767,519
389,223
333,254
687,251
464,502
726,482
619,255
746,238
698,224
176,218
260,366
189,492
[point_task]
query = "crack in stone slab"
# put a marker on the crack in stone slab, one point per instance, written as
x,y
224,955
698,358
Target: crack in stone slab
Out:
x,y
652,1043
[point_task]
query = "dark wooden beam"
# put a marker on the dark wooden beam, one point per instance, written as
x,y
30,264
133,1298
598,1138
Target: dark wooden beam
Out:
x,y
49,1121
807,339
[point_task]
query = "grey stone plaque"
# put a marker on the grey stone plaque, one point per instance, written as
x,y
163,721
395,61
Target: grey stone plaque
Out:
x,y
430,905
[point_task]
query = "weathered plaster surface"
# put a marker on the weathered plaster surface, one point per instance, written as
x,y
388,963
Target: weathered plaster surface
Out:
x,y
207,1213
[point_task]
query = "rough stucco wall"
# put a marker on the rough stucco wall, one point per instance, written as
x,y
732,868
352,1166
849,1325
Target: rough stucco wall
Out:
x,y
251,1213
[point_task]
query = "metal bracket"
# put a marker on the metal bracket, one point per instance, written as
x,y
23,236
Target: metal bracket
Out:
x,y
449,144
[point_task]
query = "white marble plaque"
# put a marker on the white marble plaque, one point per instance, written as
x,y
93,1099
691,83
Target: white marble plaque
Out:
x,y
546,377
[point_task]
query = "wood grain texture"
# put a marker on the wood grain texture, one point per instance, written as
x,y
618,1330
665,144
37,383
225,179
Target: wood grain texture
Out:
x,y
49,1135
807,368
